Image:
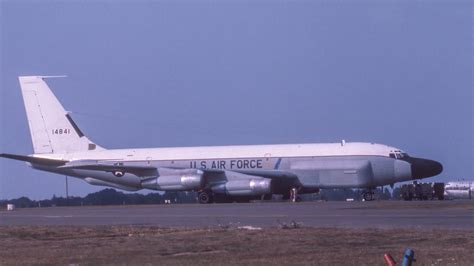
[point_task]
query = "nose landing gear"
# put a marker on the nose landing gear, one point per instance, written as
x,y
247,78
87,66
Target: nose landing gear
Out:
x,y
292,195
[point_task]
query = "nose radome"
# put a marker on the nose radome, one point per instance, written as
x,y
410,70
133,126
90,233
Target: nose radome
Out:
x,y
422,168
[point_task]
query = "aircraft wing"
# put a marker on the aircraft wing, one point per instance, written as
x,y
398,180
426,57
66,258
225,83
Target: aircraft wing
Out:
x,y
99,165
110,166
281,179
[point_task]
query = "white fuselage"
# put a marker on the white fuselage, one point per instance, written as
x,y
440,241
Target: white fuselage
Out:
x,y
236,152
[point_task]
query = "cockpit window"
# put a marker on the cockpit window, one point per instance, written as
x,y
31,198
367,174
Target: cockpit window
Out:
x,y
398,155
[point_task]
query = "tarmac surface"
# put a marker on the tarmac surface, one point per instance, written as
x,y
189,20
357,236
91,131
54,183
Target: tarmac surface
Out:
x,y
379,214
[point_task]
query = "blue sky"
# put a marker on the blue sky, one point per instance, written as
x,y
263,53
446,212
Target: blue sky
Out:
x,y
159,73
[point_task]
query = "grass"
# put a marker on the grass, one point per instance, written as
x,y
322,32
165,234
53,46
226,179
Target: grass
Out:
x,y
229,245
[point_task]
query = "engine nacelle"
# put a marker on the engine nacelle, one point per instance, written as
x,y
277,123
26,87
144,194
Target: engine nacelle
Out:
x,y
174,182
244,187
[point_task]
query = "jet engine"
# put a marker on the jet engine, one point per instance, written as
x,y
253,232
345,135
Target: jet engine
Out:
x,y
244,187
174,182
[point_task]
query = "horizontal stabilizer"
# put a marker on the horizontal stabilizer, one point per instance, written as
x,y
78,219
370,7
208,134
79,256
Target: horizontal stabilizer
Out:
x,y
34,160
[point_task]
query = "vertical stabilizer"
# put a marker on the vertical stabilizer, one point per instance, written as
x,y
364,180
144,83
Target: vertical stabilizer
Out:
x,y
52,128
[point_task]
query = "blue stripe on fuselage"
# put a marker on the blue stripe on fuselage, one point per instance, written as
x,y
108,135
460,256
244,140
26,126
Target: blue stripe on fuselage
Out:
x,y
277,165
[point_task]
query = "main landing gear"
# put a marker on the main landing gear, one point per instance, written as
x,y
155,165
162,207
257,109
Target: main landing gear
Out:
x,y
205,197
368,195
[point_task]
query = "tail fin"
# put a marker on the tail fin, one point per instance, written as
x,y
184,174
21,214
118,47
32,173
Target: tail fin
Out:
x,y
52,128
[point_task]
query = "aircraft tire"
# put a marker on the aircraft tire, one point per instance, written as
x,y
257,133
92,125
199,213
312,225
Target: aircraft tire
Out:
x,y
204,197
368,196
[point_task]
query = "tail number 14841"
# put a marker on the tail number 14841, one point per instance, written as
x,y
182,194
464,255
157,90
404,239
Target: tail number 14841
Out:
x,y
60,131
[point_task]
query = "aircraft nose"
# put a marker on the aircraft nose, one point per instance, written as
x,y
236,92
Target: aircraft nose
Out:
x,y
422,168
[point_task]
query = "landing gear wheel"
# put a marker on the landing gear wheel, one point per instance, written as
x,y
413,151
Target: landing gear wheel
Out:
x,y
204,197
368,196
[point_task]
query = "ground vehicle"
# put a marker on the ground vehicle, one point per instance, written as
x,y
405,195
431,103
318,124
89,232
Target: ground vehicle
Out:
x,y
423,191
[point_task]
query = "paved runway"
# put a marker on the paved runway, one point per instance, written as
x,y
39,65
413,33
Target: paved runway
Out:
x,y
382,214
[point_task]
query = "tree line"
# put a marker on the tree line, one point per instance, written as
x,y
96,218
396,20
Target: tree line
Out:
x,y
111,196
106,196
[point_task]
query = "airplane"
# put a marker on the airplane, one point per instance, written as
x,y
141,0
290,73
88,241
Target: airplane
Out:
x,y
216,173
459,190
